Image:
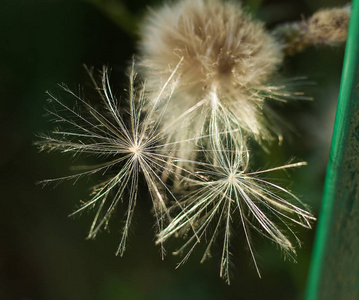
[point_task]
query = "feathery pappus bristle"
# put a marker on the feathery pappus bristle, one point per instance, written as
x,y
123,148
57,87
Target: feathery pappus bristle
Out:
x,y
226,192
126,147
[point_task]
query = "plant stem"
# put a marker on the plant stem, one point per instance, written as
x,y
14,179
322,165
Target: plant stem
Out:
x,y
119,14
334,272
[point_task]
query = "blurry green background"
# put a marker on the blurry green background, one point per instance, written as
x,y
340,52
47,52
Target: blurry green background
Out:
x,y
43,253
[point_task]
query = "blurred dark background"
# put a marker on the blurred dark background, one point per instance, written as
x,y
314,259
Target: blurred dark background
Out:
x,y
43,253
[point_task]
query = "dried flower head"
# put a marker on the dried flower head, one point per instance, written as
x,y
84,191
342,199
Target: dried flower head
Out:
x,y
326,27
329,26
227,59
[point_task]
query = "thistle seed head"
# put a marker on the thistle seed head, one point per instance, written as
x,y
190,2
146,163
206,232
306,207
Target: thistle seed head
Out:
x,y
221,46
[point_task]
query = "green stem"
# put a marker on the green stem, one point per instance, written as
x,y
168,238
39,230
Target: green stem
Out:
x,y
253,5
334,272
119,14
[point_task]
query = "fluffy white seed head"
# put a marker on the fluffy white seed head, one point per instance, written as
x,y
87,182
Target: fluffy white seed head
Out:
x,y
226,60
221,46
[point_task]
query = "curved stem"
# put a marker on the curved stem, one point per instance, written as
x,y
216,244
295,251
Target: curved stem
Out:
x,y
335,262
